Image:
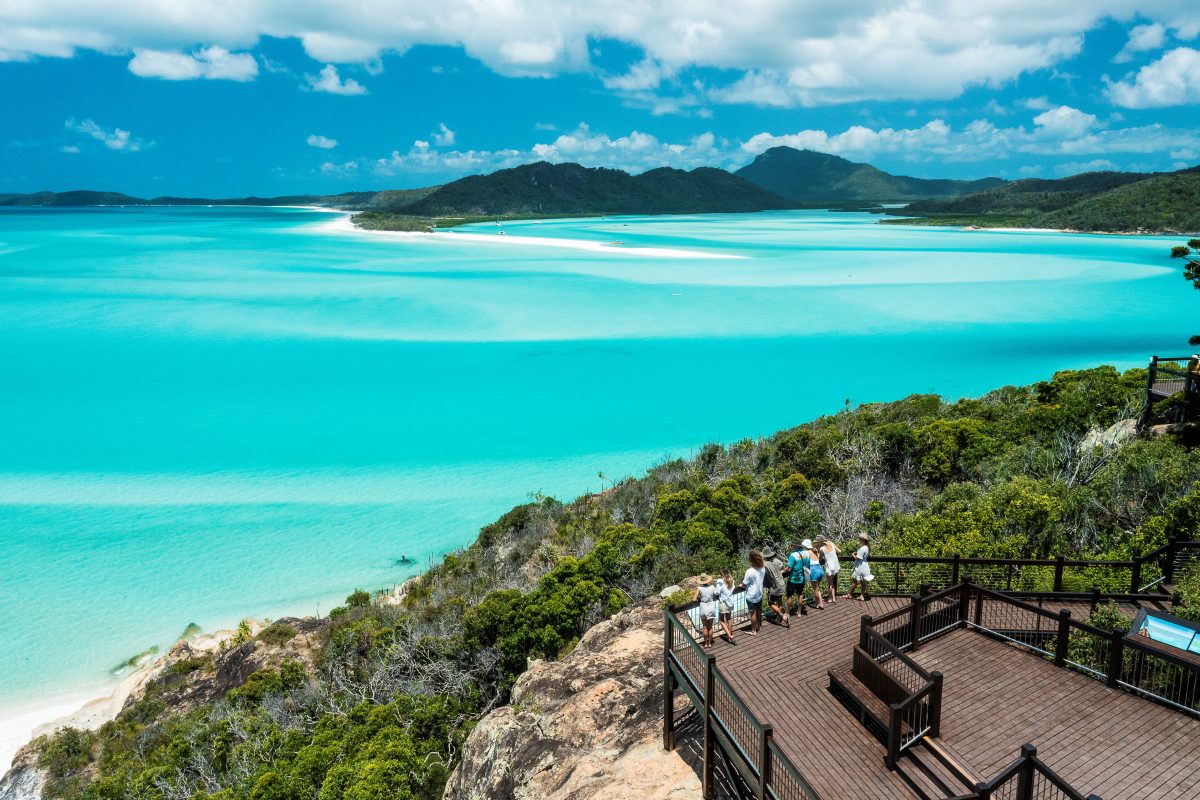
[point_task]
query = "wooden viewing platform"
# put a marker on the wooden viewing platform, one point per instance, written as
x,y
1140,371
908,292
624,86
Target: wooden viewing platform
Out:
x,y
934,697
1169,376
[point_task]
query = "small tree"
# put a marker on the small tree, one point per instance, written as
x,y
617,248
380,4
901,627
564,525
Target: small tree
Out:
x,y
1191,272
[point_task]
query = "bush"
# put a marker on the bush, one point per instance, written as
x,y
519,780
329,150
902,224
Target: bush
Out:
x,y
277,634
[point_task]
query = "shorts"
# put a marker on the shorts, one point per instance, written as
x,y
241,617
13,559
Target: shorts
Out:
x,y
817,575
775,597
755,606
795,589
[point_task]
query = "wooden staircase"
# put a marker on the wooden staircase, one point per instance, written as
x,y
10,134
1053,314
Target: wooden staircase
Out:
x,y
930,767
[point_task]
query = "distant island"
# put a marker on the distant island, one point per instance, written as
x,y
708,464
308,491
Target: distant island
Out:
x,y
778,179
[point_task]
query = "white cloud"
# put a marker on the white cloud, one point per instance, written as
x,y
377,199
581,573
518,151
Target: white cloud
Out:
x,y
443,136
323,142
1076,167
1065,121
344,169
1038,103
775,52
116,139
1141,39
1172,80
983,141
213,63
329,81
69,148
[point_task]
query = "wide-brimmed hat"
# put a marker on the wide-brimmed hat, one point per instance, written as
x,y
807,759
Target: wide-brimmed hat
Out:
x,y
820,540
864,537
705,579
768,552
806,544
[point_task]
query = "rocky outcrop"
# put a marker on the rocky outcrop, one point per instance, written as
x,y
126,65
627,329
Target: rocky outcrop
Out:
x,y
24,781
1110,438
196,671
586,726
204,669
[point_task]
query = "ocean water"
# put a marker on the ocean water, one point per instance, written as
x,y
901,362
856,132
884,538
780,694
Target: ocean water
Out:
x,y
212,413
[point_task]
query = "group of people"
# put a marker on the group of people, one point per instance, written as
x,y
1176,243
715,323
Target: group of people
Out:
x,y
782,585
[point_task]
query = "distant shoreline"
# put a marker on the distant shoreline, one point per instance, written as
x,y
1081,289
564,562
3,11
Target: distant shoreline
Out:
x,y
343,225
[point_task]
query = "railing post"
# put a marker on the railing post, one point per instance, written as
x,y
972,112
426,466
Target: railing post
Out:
x,y
863,623
1172,547
1064,637
1058,572
954,572
764,761
1116,657
1135,573
979,609
914,623
709,786
1095,599
983,791
935,705
964,602
893,742
668,684
1025,780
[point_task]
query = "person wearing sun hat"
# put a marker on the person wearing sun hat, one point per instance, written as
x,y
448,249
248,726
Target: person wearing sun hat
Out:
x,y
706,595
861,575
797,574
827,553
773,583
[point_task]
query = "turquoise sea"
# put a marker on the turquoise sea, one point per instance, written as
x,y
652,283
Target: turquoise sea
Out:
x,y
210,413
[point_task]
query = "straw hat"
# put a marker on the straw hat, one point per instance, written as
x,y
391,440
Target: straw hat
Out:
x,y
820,540
806,544
705,579
864,537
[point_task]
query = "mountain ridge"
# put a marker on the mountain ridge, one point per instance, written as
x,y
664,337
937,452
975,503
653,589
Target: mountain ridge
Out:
x,y
807,176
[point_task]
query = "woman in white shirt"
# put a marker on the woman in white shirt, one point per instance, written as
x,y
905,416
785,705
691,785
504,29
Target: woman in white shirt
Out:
x,y
861,574
753,581
725,586
828,552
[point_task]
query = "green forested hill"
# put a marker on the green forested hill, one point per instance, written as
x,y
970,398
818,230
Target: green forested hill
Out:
x,y
1094,201
385,704
548,189
809,177
347,200
1167,203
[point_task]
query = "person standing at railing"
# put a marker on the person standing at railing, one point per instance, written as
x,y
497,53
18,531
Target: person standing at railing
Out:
x,y
797,574
828,553
816,573
861,575
753,582
773,581
706,595
725,587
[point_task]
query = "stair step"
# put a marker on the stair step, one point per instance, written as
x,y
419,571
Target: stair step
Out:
x,y
923,769
862,702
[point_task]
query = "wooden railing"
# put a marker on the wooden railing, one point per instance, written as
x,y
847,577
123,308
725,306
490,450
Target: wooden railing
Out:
x,y
746,742
1033,577
1026,778
1168,376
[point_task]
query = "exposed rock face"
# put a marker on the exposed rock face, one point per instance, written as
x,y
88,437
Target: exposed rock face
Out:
x,y
1112,437
24,780
221,668
588,726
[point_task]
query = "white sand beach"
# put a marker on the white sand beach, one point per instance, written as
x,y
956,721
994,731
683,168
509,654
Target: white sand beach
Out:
x,y
343,225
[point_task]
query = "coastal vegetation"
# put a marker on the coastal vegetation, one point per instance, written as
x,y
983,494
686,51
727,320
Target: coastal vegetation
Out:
x,y
383,707
1118,202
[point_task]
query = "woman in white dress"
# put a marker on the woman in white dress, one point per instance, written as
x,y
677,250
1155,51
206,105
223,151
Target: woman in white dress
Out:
x,y
861,575
828,553
706,594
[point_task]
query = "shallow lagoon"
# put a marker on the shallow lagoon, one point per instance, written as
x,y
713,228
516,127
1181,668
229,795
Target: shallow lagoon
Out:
x,y
208,413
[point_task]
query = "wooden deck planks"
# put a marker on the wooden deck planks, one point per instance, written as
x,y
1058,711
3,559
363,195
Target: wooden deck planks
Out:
x,y
997,697
782,676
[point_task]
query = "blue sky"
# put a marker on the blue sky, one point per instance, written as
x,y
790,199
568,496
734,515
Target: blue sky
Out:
x,y
267,97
